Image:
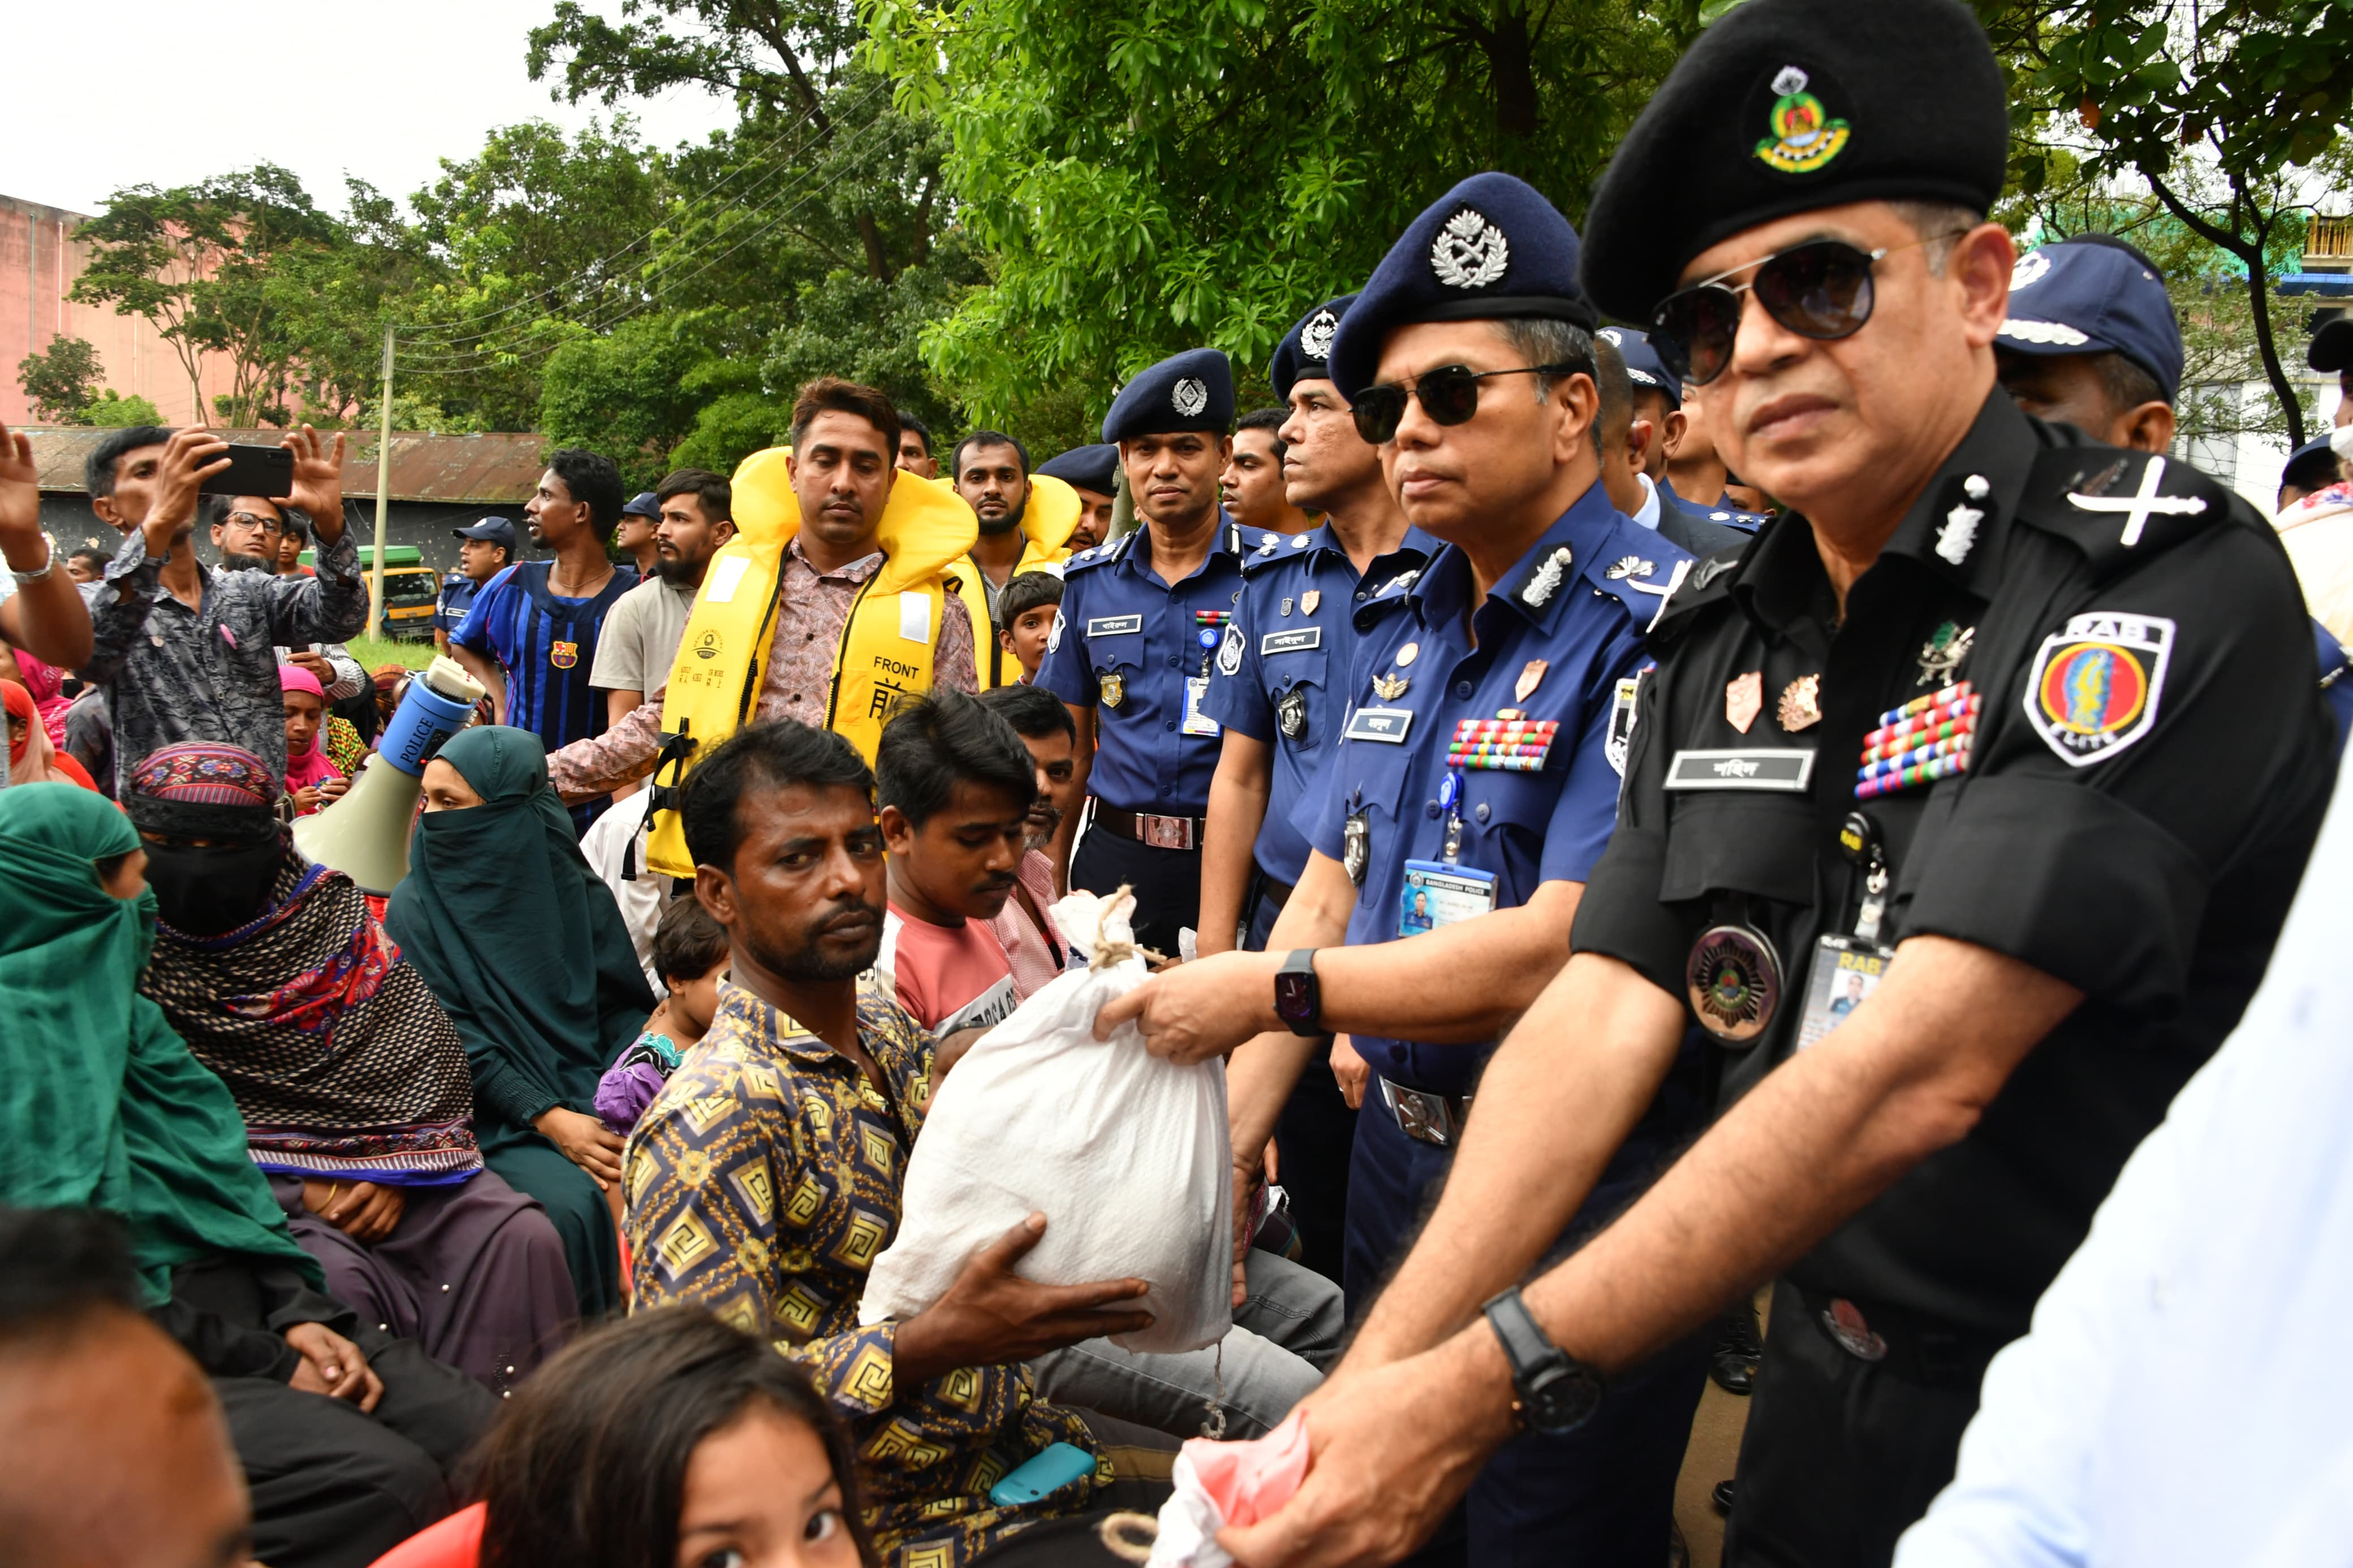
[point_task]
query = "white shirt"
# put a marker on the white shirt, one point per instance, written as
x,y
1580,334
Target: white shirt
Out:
x,y
1648,515
2178,1400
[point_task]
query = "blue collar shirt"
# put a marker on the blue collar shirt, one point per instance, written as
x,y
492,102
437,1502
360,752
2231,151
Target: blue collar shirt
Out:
x,y
1292,640
1577,604
1122,630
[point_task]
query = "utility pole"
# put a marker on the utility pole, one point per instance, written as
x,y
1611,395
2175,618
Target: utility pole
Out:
x,y
383,490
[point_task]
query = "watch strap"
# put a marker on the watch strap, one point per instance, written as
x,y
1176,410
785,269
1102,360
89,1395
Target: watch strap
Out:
x,y
1525,1344
1300,963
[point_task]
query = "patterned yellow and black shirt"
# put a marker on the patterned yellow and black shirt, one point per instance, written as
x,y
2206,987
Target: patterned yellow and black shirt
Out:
x,y
762,1182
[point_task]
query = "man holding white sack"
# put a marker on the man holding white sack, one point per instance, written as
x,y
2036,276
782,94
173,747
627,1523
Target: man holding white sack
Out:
x,y
1475,785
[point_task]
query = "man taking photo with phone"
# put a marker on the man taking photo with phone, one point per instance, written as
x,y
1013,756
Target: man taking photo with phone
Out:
x,y
188,653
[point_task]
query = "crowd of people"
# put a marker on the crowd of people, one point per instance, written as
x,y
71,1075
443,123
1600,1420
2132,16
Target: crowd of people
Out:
x,y
1786,790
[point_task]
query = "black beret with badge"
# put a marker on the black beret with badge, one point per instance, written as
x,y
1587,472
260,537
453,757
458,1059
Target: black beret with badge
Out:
x,y
1091,467
1190,391
1491,247
1305,351
1787,106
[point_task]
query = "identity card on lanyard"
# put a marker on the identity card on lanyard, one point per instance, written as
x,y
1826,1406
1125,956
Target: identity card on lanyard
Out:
x,y
1439,892
1849,968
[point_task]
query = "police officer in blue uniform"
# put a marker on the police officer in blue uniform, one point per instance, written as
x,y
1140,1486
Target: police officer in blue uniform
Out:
x,y
1133,649
1657,395
1280,689
1475,787
1093,472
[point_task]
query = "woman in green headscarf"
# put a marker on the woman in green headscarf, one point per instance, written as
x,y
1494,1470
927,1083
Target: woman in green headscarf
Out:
x,y
102,1106
526,949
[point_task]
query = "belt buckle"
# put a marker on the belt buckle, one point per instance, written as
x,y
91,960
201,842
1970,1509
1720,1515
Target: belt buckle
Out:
x,y
1421,1115
1165,832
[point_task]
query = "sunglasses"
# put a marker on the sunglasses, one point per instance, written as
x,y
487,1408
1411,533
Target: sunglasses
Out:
x,y
1820,289
1450,395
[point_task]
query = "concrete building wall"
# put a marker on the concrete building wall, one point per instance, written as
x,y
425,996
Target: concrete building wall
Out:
x,y
39,259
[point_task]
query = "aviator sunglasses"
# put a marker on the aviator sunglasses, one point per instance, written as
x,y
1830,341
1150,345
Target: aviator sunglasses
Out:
x,y
1449,395
1820,290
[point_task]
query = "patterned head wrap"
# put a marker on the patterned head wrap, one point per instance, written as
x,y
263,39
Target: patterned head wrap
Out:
x,y
204,789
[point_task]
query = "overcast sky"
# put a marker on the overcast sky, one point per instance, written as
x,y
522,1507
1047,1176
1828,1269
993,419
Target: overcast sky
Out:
x,y
140,92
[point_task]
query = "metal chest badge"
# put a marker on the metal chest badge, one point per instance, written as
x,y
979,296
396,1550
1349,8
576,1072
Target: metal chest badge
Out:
x,y
1804,136
1744,699
1941,655
564,655
1112,687
1290,714
1801,703
1390,687
1732,980
1357,846
1310,599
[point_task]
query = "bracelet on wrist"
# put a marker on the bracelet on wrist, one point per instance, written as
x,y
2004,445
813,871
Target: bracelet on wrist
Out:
x,y
48,565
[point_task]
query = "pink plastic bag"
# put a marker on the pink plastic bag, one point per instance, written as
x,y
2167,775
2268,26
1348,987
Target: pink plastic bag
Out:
x,y
1218,1484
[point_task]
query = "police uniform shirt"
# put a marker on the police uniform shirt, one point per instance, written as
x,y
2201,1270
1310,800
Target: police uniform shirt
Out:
x,y
1124,645
2146,767
1557,637
1281,672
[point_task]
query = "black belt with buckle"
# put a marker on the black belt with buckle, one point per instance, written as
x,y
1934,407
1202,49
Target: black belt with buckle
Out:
x,y
1159,832
1433,1119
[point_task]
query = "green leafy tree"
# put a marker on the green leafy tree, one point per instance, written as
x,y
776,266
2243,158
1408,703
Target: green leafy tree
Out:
x,y
110,410
198,261
1163,175
2224,107
624,395
63,380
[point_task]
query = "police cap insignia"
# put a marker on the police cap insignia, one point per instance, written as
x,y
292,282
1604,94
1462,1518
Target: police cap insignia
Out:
x,y
1305,349
1190,391
1469,252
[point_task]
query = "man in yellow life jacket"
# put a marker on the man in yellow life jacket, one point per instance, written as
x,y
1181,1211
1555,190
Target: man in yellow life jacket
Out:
x,y
831,605
1025,526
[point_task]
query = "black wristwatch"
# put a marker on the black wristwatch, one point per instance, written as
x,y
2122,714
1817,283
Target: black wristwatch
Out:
x,y
1555,1393
1298,999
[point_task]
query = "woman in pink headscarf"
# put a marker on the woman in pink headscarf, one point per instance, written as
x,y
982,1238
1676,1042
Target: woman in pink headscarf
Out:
x,y
311,778
46,682
31,758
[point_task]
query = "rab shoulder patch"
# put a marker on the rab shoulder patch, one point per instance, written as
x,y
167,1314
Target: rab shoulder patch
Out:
x,y
2096,683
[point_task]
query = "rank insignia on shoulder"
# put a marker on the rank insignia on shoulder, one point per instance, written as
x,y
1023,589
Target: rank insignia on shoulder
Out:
x,y
1112,687
2142,504
1504,745
2095,684
1390,687
1925,739
1629,566
1540,587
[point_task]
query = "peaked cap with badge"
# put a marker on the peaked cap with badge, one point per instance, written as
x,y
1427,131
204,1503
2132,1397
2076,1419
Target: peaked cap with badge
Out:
x,y
1785,106
1491,247
1304,353
1190,391
1643,366
2094,294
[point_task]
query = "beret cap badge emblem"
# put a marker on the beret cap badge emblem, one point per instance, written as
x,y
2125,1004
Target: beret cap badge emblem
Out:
x,y
1469,252
1804,135
1316,337
1189,397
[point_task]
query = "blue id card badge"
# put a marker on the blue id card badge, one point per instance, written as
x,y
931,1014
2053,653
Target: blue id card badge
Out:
x,y
1435,894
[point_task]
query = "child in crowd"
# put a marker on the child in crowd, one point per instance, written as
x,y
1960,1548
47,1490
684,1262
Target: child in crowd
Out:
x,y
1026,613
312,779
734,1456
690,955
953,784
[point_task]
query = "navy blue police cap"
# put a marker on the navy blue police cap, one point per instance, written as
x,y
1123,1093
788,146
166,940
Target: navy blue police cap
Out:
x,y
645,503
1491,247
2094,294
489,531
1191,391
1786,107
1643,366
2311,467
1086,468
1305,351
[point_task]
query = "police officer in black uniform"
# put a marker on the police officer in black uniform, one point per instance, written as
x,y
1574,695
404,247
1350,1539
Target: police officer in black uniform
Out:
x,y
2013,734
1133,649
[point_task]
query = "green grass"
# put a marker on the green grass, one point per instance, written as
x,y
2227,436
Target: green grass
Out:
x,y
371,652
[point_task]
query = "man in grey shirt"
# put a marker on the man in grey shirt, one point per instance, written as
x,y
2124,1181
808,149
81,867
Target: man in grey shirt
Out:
x,y
188,653
640,635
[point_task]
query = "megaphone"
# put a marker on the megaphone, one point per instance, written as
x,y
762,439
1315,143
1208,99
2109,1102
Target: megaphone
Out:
x,y
365,835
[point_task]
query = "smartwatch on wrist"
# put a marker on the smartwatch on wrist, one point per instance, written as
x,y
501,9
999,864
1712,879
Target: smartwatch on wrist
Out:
x,y
1553,1393
1298,999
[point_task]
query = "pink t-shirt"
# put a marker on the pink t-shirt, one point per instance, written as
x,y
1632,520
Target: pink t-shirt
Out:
x,y
949,977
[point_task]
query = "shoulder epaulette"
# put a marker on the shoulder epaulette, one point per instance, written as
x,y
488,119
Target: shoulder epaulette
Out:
x,y
1707,584
2118,507
1096,555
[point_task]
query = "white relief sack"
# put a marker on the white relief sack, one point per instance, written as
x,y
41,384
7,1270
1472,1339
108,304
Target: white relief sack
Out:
x,y
1125,1154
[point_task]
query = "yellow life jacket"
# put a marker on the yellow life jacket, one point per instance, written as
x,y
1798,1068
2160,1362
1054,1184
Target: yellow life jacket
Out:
x,y
1046,525
889,644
